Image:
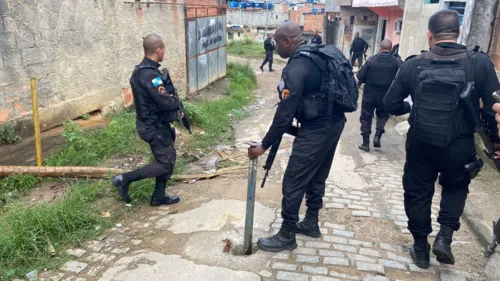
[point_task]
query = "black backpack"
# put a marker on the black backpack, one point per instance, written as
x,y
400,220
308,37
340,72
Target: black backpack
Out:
x,y
338,78
438,112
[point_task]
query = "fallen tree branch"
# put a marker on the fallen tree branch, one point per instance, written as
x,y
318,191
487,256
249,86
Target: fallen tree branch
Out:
x,y
220,172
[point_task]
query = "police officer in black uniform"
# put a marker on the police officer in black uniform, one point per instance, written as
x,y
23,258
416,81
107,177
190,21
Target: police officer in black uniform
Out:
x,y
157,105
317,38
269,46
314,145
440,139
377,74
358,50
496,108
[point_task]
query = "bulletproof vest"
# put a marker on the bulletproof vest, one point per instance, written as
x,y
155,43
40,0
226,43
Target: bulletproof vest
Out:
x,y
338,92
381,71
439,115
146,109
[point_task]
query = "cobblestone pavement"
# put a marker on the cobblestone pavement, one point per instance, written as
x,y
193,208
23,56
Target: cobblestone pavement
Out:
x,y
363,225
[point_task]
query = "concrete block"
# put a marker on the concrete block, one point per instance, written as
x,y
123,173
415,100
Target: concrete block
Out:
x,y
100,258
415,268
318,245
334,226
370,252
376,278
315,270
334,206
331,253
361,214
25,39
333,239
395,257
305,251
344,276
345,248
307,259
369,267
360,243
336,261
265,274
349,234
392,264
341,201
76,252
7,41
292,276
282,256
322,278
362,258
356,207
284,266
74,266
388,247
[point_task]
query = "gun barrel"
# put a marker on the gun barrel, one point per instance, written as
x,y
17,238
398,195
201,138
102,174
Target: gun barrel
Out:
x,y
264,179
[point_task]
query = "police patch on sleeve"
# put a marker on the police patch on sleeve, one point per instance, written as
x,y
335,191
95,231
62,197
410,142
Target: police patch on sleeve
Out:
x,y
162,90
285,94
157,81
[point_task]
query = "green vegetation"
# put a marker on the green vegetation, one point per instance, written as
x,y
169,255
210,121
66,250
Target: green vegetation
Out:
x,y
246,48
71,220
8,134
214,116
76,218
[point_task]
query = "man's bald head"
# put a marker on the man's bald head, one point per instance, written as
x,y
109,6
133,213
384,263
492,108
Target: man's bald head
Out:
x,y
386,45
288,37
151,44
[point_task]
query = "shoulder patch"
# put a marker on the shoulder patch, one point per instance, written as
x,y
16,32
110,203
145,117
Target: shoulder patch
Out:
x,y
157,81
285,94
162,91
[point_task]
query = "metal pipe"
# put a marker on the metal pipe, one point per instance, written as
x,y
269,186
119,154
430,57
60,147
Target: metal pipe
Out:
x,y
252,181
36,124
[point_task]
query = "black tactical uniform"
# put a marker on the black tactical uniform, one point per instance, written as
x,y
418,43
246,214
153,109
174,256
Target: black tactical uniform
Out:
x,y
269,47
437,145
313,148
156,106
357,51
377,75
317,39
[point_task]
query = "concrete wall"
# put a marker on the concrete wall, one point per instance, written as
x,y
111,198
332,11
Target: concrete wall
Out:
x,y
495,42
391,14
414,34
257,18
313,22
82,53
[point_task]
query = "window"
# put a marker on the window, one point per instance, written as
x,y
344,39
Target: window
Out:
x,y
230,36
352,20
398,26
239,34
276,17
459,7
431,1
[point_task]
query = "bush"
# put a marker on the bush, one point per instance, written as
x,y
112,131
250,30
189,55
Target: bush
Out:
x,y
8,134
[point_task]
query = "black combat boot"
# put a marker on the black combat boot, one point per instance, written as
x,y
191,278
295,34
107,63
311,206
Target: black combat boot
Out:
x,y
164,200
442,245
376,140
420,252
261,68
365,146
122,184
309,226
283,240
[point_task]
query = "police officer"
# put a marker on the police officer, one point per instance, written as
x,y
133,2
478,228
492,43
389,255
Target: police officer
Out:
x,y
314,145
377,74
269,46
317,38
157,106
440,138
358,50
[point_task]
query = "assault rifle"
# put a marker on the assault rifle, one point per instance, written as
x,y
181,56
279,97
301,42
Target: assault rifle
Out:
x,y
274,151
169,86
496,238
490,148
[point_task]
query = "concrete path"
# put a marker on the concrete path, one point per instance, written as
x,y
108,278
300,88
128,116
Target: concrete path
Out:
x,y
363,223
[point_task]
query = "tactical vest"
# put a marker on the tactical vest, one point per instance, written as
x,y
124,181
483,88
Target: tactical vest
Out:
x,y
381,71
338,92
438,112
145,106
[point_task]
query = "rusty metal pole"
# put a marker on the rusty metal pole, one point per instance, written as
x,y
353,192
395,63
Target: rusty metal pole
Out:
x,y
252,182
36,123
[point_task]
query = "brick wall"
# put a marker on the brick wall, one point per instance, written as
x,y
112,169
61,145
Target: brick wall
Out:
x,y
495,43
297,15
313,22
82,54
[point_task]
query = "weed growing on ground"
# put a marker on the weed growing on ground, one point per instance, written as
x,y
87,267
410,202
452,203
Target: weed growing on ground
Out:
x,y
13,186
8,134
72,220
246,48
214,116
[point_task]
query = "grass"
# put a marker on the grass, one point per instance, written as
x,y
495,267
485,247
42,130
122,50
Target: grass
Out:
x,y
246,48
76,218
8,134
72,220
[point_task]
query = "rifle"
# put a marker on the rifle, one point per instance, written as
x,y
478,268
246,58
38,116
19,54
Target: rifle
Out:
x,y
169,86
490,148
274,151
496,238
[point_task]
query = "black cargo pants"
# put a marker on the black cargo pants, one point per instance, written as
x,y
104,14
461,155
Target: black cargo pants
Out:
x,y
423,163
308,169
369,107
269,58
161,141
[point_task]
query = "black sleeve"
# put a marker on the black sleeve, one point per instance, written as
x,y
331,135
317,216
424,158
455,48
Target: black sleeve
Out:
x,y
399,91
320,40
294,76
486,83
364,69
366,45
152,82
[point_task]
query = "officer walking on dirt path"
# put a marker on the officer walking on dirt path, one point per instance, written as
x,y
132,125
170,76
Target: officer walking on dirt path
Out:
x,y
315,143
440,139
377,73
269,46
157,105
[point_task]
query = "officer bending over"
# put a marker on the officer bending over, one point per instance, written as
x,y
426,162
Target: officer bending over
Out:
x,y
157,105
314,146
440,139
377,74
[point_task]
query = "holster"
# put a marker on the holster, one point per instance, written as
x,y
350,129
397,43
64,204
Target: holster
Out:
x,y
473,168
